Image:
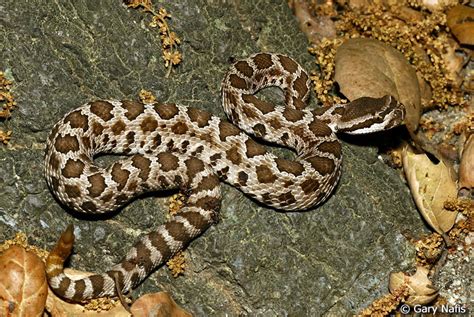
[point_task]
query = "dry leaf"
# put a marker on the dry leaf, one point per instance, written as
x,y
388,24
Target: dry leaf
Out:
x,y
438,5
23,286
58,307
431,185
370,68
157,305
461,22
315,27
410,15
358,4
466,169
425,90
420,288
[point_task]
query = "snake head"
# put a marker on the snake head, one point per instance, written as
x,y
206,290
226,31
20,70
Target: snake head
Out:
x,y
396,114
367,115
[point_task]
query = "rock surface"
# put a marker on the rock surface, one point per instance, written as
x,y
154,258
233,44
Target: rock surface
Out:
x,y
331,260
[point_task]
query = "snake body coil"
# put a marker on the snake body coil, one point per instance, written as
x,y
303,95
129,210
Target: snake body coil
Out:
x,y
172,146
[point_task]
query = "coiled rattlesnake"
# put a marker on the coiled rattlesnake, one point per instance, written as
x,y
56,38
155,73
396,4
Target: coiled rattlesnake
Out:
x,y
173,146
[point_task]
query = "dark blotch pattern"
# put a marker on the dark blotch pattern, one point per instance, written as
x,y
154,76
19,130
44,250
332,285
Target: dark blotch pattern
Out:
x,y
242,178
102,109
148,124
263,106
119,175
200,117
322,164
166,111
77,120
133,109
333,147
179,128
97,185
118,127
177,231
288,64
263,61
143,164
265,174
254,149
288,166
168,161
72,169
67,143
244,68
237,82
227,129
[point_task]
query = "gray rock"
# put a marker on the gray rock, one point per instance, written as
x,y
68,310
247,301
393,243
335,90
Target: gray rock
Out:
x,y
331,260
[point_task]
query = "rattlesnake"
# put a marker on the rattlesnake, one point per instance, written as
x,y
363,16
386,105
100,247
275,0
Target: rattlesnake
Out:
x,y
172,146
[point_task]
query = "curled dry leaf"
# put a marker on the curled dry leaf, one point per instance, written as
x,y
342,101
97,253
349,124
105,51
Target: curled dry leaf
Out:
x,y
58,307
23,286
431,185
370,68
461,22
315,27
157,304
420,288
466,169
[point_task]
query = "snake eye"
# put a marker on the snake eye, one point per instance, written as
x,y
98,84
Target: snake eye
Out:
x,y
398,114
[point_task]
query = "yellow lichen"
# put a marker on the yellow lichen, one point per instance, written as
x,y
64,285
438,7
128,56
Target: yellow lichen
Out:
x,y
176,202
387,303
430,127
465,125
428,249
323,81
464,206
21,240
465,225
102,304
146,96
177,264
5,136
7,103
395,157
169,39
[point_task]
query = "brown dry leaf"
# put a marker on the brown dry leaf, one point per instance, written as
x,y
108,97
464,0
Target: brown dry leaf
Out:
x,y
315,27
358,4
420,288
410,15
57,307
370,68
23,286
431,185
157,304
461,22
466,169
425,90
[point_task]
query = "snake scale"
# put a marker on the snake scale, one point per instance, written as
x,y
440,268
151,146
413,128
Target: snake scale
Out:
x,y
173,146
